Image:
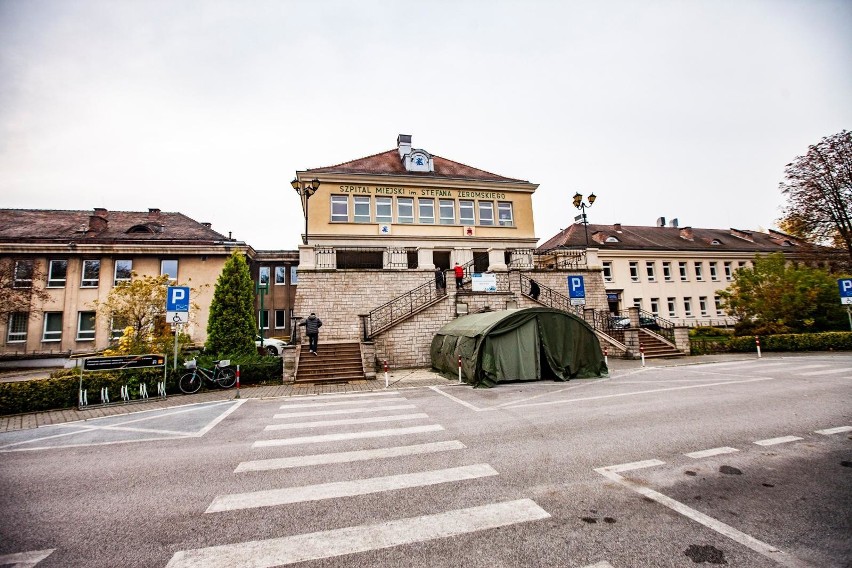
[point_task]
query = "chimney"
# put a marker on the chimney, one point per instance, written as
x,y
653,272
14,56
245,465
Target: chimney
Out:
x,y
97,222
403,144
153,213
101,212
617,227
661,221
686,233
673,223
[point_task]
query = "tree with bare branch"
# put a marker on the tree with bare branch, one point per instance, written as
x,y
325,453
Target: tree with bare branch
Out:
x,y
818,187
19,289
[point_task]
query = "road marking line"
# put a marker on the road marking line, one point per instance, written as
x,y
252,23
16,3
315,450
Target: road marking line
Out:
x,y
338,489
581,385
781,440
650,391
347,421
711,452
458,400
347,436
301,405
754,544
631,466
344,411
827,372
838,430
803,367
25,559
351,540
348,395
601,564
346,457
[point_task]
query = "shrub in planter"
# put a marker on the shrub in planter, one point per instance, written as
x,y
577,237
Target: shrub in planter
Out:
x,y
827,341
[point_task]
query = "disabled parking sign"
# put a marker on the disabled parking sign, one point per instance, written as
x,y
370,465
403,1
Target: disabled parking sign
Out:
x,y
577,290
177,304
845,285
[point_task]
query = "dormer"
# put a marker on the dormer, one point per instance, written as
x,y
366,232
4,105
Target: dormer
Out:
x,y
414,160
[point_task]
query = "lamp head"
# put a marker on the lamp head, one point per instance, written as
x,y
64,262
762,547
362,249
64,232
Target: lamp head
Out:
x,y
592,199
578,199
315,183
295,184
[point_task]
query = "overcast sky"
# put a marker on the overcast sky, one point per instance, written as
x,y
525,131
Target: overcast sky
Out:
x,y
686,109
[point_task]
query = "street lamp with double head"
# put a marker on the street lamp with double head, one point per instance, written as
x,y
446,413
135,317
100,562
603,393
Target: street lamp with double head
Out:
x,y
579,204
305,192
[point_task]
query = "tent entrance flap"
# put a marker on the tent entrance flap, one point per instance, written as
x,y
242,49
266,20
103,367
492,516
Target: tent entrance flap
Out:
x,y
513,356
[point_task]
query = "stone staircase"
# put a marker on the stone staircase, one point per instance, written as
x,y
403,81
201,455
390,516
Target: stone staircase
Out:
x,y
333,363
654,346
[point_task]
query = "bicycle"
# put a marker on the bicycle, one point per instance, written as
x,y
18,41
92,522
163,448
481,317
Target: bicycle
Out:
x,y
221,375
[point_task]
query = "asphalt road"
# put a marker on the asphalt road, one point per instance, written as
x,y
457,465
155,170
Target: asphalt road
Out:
x,y
744,463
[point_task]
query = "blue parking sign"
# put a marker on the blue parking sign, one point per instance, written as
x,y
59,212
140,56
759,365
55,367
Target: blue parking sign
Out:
x,y
845,285
177,299
577,290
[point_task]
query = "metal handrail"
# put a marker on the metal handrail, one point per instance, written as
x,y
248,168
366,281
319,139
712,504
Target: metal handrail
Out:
x,y
664,327
402,307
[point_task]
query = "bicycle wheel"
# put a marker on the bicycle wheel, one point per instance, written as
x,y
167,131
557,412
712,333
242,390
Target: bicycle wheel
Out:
x,y
227,378
189,383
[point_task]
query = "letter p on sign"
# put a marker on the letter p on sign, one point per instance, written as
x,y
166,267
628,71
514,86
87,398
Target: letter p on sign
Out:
x,y
845,285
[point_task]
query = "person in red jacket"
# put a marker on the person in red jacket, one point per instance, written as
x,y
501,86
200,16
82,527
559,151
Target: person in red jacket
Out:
x,y
459,275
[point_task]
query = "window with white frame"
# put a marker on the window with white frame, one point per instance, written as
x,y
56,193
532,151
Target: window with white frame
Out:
x,y
687,307
339,209
384,210
741,264
684,275
607,271
116,328
634,271
719,310
123,271
85,326
672,305
466,213
650,270
447,211
280,319
729,272
52,326
714,273
57,273
637,303
702,305
505,214
16,331
263,318
667,271
263,275
404,209
655,306
169,267
91,274
486,213
23,274
361,209
280,275
699,271
426,210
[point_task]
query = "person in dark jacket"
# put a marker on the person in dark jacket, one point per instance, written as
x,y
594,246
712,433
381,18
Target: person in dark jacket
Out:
x,y
440,280
534,289
312,325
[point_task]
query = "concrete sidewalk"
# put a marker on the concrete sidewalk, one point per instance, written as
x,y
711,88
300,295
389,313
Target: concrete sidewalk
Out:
x,y
399,379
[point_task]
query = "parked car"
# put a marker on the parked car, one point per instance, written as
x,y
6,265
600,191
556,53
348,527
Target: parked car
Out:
x,y
619,322
271,345
649,322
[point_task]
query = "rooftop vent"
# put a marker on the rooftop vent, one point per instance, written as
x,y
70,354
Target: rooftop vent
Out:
x,y
661,221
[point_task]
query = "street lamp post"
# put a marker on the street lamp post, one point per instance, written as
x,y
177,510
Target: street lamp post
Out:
x,y
579,204
305,191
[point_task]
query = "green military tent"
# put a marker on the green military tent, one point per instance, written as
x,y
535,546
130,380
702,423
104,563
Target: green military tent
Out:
x,y
518,345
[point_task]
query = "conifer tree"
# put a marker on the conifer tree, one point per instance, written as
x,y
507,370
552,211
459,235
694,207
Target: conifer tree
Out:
x,y
231,327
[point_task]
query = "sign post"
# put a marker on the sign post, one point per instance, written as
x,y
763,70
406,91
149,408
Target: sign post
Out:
x,y
845,285
577,290
177,311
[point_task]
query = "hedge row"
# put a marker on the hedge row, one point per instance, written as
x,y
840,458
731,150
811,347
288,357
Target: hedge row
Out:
x,y
61,390
827,341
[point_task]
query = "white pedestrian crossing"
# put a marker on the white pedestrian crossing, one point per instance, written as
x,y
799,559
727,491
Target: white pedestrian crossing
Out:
x,y
340,489
346,421
343,411
349,540
348,436
346,457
